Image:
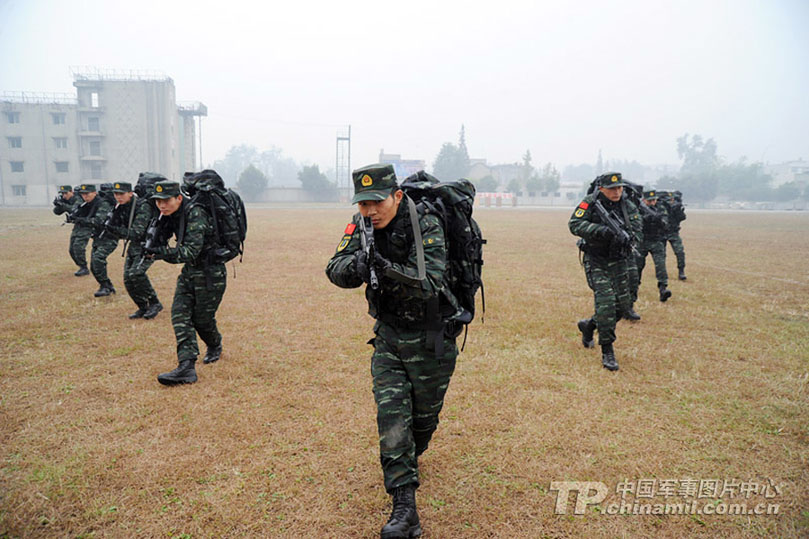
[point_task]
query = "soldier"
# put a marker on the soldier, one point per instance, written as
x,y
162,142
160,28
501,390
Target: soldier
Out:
x,y
67,202
201,283
633,193
676,210
414,356
83,219
103,244
655,224
130,219
605,256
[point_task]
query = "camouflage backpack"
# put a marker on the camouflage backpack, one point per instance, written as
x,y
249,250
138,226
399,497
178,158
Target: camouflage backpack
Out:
x,y
207,189
452,202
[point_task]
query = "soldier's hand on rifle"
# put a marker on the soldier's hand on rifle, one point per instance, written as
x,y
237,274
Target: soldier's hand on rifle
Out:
x,y
620,242
156,253
361,266
381,263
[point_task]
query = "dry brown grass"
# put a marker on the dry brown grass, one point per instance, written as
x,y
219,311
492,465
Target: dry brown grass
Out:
x,y
279,438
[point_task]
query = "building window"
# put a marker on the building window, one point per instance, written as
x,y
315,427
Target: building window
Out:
x,y
92,124
14,142
95,171
17,166
18,190
60,142
58,118
61,166
95,147
94,100
557,194
13,117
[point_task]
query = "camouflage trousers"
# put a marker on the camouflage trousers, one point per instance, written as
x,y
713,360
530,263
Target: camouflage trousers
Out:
x,y
633,277
79,239
677,246
196,298
409,388
610,285
658,250
136,281
102,248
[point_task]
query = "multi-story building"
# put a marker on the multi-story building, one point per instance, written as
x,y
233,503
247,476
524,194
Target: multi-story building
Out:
x,y
117,125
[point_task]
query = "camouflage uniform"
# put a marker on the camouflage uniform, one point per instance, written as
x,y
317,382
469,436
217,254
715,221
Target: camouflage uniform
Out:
x,y
135,266
60,206
83,225
200,285
605,266
414,357
103,243
676,212
633,276
654,237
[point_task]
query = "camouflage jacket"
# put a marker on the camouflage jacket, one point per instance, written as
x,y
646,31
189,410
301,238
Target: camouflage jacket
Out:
x,y
402,299
144,212
586,223
86,213
100,216
656,224
193,228
60,205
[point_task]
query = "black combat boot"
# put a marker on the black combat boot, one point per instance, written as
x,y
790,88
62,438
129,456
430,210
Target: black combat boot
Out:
x,y
152,310
213,354
632,315
105,290
183,374
137,314
82,271
681,274
664,293
608,360
587,327
404,520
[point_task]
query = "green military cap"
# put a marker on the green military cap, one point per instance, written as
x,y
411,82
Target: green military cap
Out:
x,y
374,182
121,187
65,188
86,188
611,179
166,189
650,195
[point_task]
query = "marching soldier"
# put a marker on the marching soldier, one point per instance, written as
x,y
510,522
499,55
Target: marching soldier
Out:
x,y
66,202
130,219
414,357
605,256
676,210
83,219
103,244
201,283
655,224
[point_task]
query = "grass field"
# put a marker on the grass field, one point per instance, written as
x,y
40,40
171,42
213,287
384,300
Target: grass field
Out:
x,y
279,437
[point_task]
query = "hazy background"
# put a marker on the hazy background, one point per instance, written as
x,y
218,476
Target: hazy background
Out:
x,y
561,79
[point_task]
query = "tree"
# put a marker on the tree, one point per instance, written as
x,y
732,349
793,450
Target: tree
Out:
x,y
599,163
533,185
252,182
317,184
486,184
549,178
527,167
515,187
452,162
236,160
788,191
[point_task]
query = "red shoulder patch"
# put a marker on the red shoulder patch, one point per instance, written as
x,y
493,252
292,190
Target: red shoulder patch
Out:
x,y
584,205
350,228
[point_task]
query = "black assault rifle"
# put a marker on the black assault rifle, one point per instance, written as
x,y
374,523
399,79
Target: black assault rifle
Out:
x,y
615,227
368,247
155,238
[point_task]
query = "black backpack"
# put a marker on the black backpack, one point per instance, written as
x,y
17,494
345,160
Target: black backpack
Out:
x,y
453,201
207,189
145,186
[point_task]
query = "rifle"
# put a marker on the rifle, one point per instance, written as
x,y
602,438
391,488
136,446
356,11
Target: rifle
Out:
x,y
367,242
108,222
71,215
153,238
615,226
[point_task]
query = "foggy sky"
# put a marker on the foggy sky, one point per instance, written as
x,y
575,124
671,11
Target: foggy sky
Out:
x,y
563,79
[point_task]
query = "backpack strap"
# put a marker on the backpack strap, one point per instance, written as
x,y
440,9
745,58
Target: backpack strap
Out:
x,y
414,224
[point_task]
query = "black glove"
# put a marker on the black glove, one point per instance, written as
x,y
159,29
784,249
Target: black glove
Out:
x,y
81,220
620,242
361,267
381,263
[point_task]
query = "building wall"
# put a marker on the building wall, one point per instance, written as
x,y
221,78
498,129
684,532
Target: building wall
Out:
x,y
44,164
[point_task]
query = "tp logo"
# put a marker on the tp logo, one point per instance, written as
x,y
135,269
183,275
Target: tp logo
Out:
x,y
587,493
